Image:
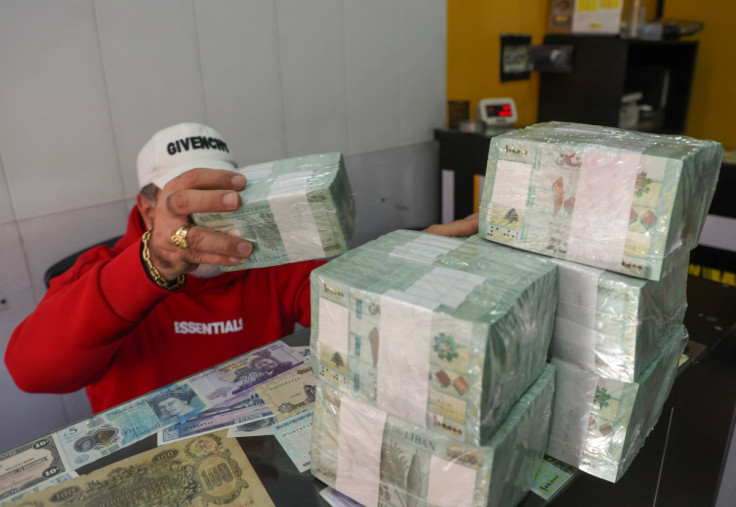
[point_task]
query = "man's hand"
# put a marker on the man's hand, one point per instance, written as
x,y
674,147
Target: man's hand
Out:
x,y
464,227
196,191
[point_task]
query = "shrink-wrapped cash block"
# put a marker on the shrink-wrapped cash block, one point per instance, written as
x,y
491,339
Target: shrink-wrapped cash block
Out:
x,y
293,210
615,325
599,424
444,333
379,459
609,198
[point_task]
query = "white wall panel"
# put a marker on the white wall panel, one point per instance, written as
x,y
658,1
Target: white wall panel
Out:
x,y
423,68
312,53
16,297
242,77
37,414
48,239
40,413
388,184
6,209
55,135
373,74
150,52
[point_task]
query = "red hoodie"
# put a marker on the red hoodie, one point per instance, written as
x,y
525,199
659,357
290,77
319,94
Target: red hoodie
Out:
x,y
105,326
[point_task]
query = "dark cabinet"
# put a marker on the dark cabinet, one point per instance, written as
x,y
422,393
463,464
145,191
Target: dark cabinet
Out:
x,y
607,68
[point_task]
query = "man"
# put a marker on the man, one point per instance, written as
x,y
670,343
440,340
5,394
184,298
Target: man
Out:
x,y
155,308
129,319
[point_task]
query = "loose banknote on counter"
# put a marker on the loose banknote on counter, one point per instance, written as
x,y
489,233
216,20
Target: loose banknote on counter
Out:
x,y
614,199
294,209
31,464
445,333
225,392
205,470
378,459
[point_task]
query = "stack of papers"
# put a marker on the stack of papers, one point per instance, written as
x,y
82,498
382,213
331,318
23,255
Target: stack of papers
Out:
x,y
293,210
444,333
378,459
618,200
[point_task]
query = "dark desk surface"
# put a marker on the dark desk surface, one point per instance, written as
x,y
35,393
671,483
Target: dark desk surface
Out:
x,y
680,463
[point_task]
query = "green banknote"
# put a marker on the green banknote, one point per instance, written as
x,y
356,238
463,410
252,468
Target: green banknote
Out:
x,y
442,332
618,200
378,459
205,470
614,324
293,210
598,424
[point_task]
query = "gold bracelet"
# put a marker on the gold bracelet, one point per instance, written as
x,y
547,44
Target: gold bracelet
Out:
x,y
153,273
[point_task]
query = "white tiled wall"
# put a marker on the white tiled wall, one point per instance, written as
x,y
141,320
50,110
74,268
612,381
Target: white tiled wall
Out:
x,y
86,82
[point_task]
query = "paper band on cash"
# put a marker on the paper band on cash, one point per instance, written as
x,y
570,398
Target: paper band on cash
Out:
x,y
574,337
600,220
405,328
334,327
288,201
359,444
450,484
569,426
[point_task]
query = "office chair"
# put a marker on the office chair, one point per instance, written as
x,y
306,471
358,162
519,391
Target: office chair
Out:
x,y
68,261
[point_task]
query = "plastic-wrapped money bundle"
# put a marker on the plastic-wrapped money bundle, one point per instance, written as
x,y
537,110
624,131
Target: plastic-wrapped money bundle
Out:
x,y
293,210
615,325
618,200
377,458
599,424
445,333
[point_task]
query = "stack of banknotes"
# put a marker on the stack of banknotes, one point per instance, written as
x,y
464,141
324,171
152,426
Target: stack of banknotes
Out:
x,y
293,210
618,200
444,333
615,325
599,424
378,459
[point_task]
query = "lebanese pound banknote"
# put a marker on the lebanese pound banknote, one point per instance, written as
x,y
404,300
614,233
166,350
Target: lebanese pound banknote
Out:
x,y
443,332
293,210
609,198
378,459
599,424
615,325
205,470
31,464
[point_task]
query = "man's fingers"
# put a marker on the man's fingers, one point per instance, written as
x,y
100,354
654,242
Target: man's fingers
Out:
x,y
187,201
204,244
207,179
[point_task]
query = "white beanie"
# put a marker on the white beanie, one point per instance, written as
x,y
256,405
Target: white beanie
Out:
x,y
177,149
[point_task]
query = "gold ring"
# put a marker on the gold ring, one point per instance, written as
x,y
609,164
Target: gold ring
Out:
x,y
179,238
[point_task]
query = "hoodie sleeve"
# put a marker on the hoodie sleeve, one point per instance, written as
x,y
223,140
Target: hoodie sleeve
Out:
x,y
71,337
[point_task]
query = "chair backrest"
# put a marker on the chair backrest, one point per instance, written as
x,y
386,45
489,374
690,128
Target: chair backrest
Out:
x,y
68,261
